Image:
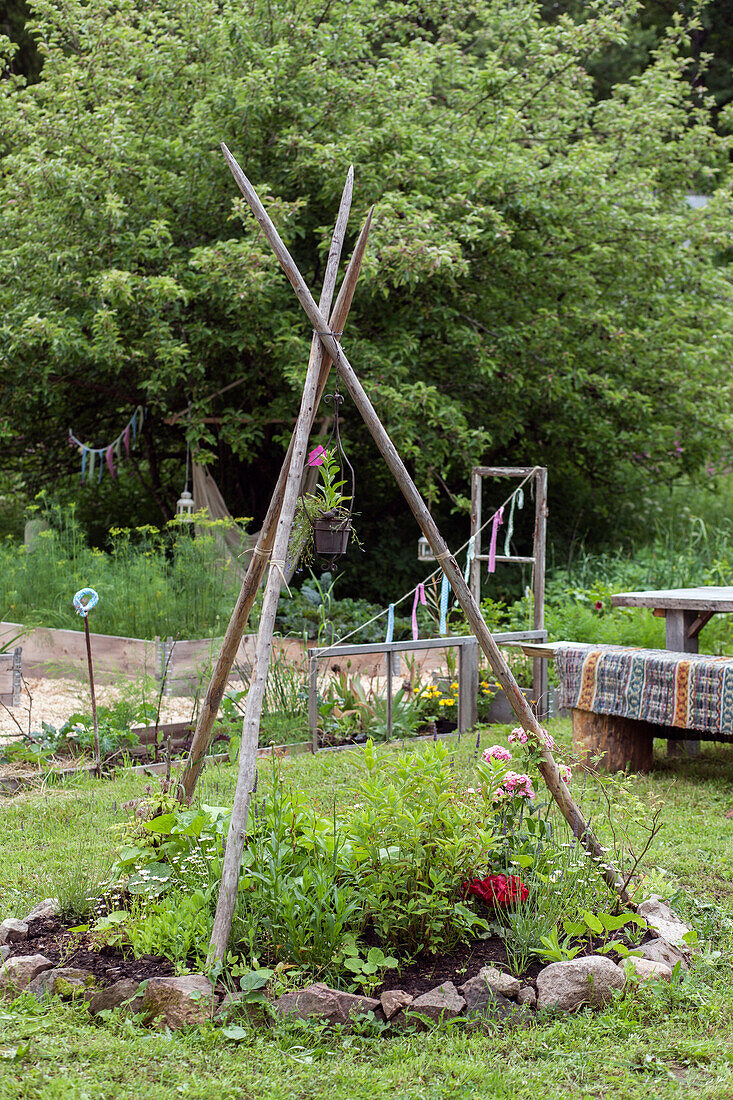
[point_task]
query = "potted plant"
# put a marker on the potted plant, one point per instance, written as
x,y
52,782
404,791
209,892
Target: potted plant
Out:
x,y
322,519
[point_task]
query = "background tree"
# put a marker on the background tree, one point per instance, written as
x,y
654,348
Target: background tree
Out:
x,y
537,288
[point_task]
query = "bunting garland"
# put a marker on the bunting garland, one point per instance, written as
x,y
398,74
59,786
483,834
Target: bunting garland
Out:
x,y
113,451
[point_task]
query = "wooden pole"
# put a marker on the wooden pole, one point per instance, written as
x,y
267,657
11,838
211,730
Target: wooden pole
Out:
x,y
256,694
97,753
547,764
251,582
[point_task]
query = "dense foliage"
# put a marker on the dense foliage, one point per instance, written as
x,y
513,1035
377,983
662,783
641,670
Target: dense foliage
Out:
x,y
536,287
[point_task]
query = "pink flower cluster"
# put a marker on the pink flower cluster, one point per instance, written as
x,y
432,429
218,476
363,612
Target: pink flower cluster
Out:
x,y
520,736
518,786
565,773
496,752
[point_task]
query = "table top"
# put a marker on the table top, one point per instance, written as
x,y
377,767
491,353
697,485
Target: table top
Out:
x,y
705,598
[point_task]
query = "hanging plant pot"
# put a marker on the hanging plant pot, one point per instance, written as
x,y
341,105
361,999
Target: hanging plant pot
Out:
x,y
331,533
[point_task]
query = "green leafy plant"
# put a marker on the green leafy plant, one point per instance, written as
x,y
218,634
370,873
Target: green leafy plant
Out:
x,y
412,843
368,972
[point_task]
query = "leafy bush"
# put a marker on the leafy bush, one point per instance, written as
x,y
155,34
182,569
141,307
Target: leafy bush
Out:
x,y
413,841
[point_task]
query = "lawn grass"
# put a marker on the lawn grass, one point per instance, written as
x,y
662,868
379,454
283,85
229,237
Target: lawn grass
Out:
x,y
667,1042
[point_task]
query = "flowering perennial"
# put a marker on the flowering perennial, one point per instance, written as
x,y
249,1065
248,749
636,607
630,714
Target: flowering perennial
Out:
x,y
496,752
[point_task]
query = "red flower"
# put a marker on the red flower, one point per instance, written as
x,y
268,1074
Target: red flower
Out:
x,y
498,890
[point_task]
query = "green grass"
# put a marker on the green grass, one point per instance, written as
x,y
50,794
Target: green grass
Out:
x,y
670,1043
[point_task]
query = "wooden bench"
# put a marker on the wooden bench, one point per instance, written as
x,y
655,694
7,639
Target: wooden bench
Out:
x,y
626,742
10,677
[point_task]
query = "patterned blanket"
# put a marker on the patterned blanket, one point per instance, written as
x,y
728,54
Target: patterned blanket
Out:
x,y
687,690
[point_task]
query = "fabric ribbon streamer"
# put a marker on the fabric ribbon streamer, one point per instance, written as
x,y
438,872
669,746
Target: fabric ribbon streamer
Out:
x,y
390,623
495,525
89,455
470,555
84,600
518,501
444,594
419,598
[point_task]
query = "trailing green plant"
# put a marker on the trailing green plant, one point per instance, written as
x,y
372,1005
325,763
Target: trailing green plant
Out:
x,y
367,967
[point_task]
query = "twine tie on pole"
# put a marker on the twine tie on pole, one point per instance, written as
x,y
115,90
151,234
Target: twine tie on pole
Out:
x,y
280,566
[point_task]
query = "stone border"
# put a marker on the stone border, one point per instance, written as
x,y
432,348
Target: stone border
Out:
x,y
492,995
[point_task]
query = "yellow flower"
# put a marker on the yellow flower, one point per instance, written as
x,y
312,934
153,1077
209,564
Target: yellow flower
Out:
x,y
454,686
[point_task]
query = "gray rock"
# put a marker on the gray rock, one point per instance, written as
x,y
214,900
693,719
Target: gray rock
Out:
x,y
664,921
442,1003
332,1005
527,996
646,970
498,981
568,985
12,930
4,951
19,972
66,982
392,1000
49,907
176,1002
123,993
660,951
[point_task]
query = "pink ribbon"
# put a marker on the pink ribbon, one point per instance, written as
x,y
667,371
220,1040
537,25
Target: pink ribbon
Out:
x,y
126,439
419,597
495,525
110,459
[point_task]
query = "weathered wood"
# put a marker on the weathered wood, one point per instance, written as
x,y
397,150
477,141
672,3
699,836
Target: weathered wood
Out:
x,y
250,585
547,764
539,666
623,743
702,598
468,660
256,694
702,620
475,575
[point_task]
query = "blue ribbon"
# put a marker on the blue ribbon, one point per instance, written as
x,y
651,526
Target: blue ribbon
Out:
x,y
92,599
390,623
83,462
444,593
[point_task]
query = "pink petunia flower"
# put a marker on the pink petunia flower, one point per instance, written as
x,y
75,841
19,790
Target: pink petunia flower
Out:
x,y
316,457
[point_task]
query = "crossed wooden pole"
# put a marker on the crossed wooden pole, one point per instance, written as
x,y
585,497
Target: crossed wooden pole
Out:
x,y
325,349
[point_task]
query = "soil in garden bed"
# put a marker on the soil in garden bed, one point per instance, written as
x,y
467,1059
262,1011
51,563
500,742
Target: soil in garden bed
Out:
x,y
457,966
65,947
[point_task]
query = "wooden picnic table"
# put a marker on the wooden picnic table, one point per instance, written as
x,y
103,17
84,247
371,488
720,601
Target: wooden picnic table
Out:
x,y
685,611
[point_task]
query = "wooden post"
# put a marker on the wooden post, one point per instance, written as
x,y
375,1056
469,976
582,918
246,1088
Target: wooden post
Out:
x,y
255,696
476,485
539,664
624,743
547,764
389,696
313,701
251,583
468,658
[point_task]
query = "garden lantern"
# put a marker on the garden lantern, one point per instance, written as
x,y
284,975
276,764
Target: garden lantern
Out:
x,y
184,506
424,550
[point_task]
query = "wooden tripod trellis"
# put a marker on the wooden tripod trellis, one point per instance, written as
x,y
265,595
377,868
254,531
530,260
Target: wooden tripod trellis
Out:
x,y
273,544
